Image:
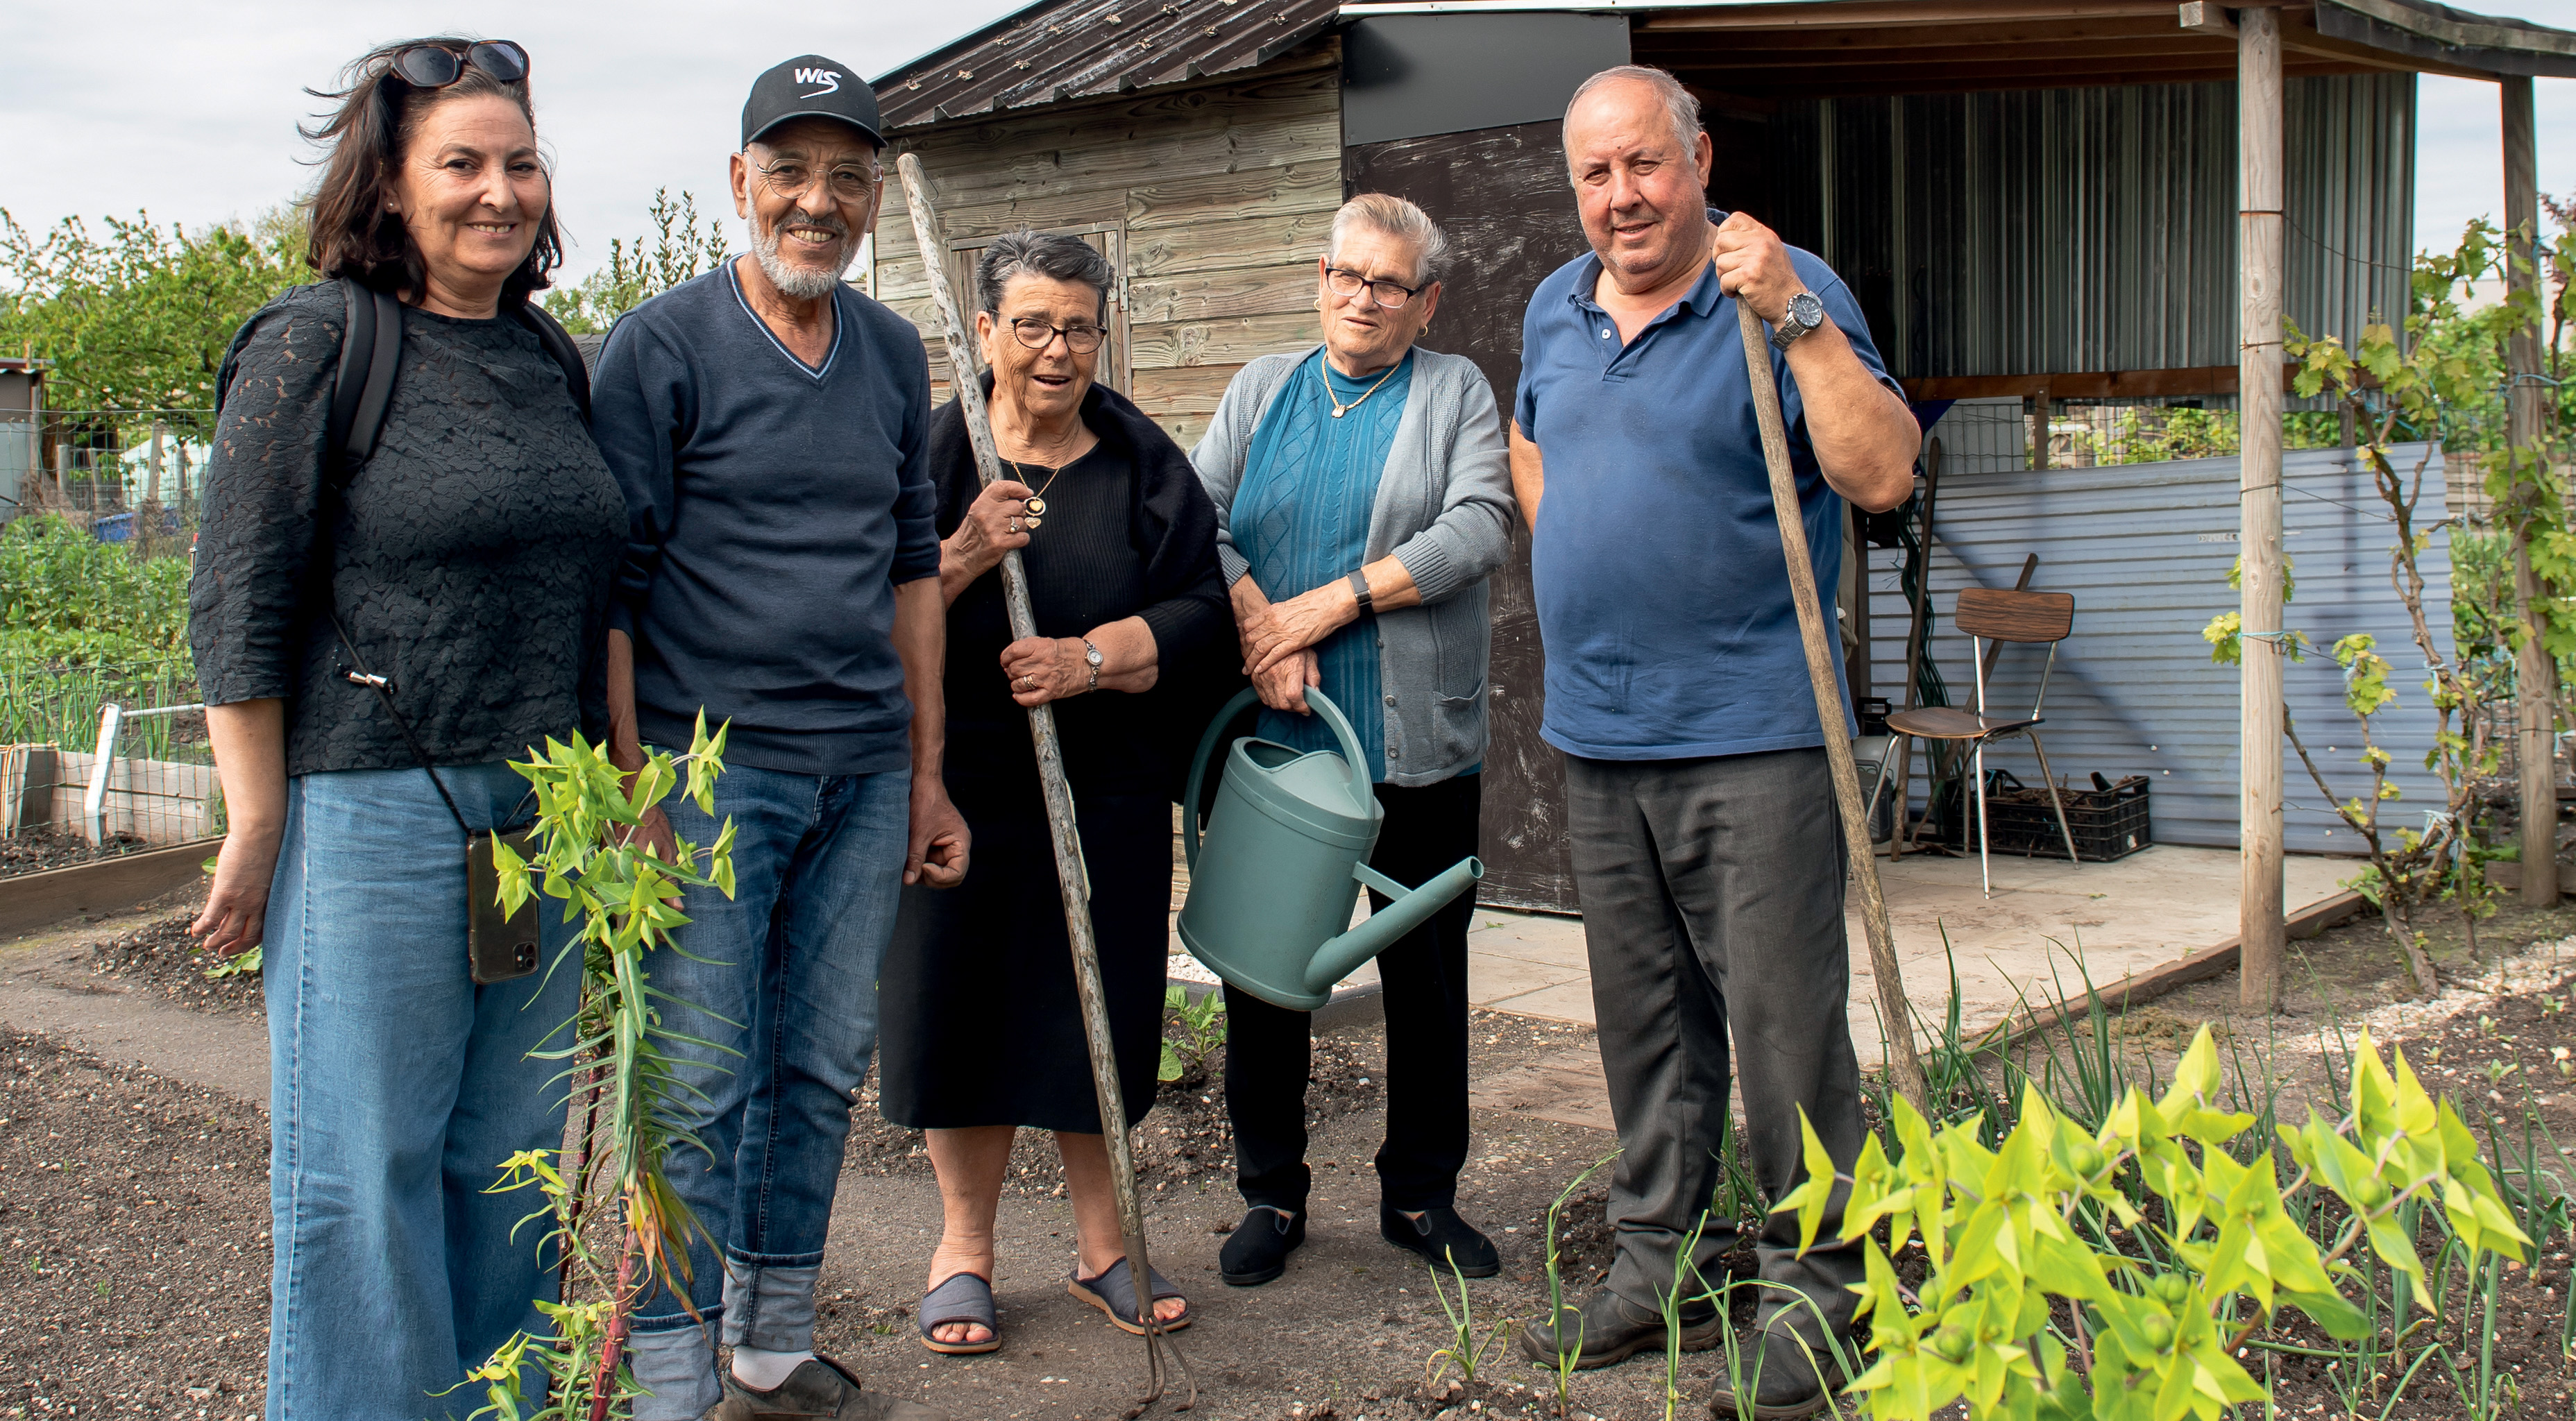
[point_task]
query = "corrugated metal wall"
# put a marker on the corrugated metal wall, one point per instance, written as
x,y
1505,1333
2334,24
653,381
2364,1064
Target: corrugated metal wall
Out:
x,y
2146,549
2091,229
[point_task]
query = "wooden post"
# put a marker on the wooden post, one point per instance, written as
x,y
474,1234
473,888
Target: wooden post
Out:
x,y
1072,878
2535,670
2260,926
152,479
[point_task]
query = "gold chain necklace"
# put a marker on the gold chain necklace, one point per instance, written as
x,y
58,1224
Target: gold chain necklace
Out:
x,y
1340,409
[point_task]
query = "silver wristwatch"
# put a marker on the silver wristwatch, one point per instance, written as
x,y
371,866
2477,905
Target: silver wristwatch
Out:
x,y
1806,312
1091,658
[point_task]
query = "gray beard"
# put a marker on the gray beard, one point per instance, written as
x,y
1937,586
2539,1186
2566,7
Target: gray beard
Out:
x,y
802,283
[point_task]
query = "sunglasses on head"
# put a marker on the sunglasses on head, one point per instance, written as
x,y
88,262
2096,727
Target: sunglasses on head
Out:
x,y
435,66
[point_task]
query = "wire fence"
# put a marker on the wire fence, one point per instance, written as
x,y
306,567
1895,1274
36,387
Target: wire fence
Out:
x,y
129,475
102,760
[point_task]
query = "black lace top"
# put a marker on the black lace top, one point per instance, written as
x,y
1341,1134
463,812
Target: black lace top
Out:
x,y
471,557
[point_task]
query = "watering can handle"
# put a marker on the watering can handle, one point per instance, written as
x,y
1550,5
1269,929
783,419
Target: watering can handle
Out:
x,y
1362,791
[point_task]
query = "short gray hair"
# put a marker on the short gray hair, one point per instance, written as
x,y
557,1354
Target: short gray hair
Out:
x,y
1680,104
1059,255
1392,216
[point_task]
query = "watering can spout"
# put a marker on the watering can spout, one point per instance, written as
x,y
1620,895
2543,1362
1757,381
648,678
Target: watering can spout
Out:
x,y
1411,907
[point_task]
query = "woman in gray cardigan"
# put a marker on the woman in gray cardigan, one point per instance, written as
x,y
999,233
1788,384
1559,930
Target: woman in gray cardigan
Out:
x,y
1363,495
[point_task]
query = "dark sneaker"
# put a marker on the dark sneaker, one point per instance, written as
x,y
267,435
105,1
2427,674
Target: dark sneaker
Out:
x,y
1258,1249
1782,1379
819,1390
1608,1328
1440,1237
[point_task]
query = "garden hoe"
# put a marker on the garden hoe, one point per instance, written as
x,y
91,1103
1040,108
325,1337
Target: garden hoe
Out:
x,y
1070,873
1894,1011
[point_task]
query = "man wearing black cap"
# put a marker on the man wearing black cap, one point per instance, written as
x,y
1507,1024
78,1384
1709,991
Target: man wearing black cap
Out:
x,y
768,425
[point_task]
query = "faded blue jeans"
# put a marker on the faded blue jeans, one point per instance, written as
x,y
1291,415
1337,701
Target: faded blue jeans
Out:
x,y
396,1088
783,976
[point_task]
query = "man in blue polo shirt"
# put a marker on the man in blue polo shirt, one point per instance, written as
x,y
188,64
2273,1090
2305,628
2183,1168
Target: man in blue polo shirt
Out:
x,y
769,426
1705,845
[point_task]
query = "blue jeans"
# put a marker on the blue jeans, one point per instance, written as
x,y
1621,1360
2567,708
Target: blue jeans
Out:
x,y
397,1087
783,976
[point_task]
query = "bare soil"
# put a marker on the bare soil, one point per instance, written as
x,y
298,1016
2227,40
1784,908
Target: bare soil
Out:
x,y
159,957
37,849
133,1241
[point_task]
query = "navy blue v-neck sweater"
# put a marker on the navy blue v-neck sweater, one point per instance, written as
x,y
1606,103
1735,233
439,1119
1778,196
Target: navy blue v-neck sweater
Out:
x,y
772,508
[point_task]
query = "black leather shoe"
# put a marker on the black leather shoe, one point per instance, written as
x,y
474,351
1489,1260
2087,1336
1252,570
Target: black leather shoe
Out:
x,y
1780,1379
1258,1249
1440,1237
1608,1328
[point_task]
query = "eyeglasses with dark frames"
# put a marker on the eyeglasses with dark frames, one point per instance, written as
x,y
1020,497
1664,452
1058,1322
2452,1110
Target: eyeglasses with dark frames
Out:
x,y
1038,335
435,66
790,178
1385,293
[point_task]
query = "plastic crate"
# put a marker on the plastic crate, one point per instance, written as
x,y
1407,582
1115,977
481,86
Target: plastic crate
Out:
x,y
2108,823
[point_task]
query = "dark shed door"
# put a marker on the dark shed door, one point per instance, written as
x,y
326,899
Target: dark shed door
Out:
x,y
1502,196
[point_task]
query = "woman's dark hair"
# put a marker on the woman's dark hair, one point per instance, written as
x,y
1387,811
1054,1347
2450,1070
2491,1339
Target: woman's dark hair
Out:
x,y
1053,254
379,111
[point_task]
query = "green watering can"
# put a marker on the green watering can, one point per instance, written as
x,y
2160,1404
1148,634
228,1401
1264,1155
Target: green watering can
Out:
x,y
1285,854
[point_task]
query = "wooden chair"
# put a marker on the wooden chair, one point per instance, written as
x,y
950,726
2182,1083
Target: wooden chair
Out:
x,y
1989,614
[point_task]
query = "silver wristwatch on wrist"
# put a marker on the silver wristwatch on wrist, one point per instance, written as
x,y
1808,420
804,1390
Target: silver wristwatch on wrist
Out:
x,y
1091,658
1806,312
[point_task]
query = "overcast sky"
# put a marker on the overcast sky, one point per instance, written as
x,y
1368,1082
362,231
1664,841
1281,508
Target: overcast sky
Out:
x,y
189,109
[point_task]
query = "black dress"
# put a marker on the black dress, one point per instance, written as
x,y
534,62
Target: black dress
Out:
x,y
980,1022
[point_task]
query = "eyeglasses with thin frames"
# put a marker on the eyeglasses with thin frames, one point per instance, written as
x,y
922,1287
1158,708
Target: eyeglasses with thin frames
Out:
x,y
790,179
1038,335
1347,284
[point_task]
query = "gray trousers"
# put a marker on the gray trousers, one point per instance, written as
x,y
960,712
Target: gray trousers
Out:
x,y
1713,900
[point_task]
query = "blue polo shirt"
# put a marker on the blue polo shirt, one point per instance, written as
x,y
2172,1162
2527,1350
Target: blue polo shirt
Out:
x,y
1662,594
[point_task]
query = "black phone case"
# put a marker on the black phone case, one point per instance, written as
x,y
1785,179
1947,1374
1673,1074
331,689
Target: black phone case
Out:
x,y
500,946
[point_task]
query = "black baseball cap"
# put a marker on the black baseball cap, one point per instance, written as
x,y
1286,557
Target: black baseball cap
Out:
x,y
810,86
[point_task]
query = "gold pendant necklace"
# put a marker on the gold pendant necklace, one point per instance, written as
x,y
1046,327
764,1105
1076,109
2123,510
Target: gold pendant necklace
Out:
x,y
1036,504
1340,409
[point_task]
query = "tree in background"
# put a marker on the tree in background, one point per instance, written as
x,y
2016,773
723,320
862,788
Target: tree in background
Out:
x,y
139,319
678,250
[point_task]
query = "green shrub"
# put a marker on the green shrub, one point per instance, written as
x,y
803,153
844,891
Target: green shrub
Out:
x,y
67,597
2018,1235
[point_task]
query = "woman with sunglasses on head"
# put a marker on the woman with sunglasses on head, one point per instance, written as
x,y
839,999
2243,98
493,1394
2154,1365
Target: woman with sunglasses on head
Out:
x,y
466,562
982,1031
1366,496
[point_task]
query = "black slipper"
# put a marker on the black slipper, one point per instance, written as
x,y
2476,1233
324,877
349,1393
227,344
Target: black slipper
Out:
x,y
1441,1239
1258,1249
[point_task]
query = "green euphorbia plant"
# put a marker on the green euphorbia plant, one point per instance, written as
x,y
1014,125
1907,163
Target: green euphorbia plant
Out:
x,y
623,1080
2020,1236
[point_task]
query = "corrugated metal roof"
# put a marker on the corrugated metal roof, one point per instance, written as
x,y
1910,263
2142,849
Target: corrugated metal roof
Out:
x,y
2146,548
2091,229
1075,49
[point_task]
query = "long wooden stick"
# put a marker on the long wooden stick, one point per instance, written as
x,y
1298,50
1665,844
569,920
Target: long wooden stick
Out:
x,y
1893,1008
1071,876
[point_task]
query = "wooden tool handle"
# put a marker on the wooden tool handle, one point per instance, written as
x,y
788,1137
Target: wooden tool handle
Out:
x,y
1896,1015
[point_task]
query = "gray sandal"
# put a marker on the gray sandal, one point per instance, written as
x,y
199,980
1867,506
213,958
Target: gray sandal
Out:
x,y
962,1298
1114,1293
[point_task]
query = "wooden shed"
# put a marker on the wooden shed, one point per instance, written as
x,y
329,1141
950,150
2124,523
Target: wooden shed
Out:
x,y
2033,199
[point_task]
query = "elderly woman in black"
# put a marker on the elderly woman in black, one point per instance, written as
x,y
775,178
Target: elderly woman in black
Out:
x,y
467,561
982,1034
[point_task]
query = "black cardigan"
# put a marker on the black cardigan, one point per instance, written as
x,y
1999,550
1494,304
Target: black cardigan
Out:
x,y
1171,528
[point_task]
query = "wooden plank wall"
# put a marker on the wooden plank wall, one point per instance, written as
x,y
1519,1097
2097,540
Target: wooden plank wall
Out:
x,y
1226,189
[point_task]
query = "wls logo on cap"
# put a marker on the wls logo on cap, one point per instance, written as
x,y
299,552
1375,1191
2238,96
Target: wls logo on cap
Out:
x,y
811,86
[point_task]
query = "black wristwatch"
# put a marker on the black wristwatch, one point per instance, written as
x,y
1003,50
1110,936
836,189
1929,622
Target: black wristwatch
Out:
x,y
1091,658
1359,589
1806,312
